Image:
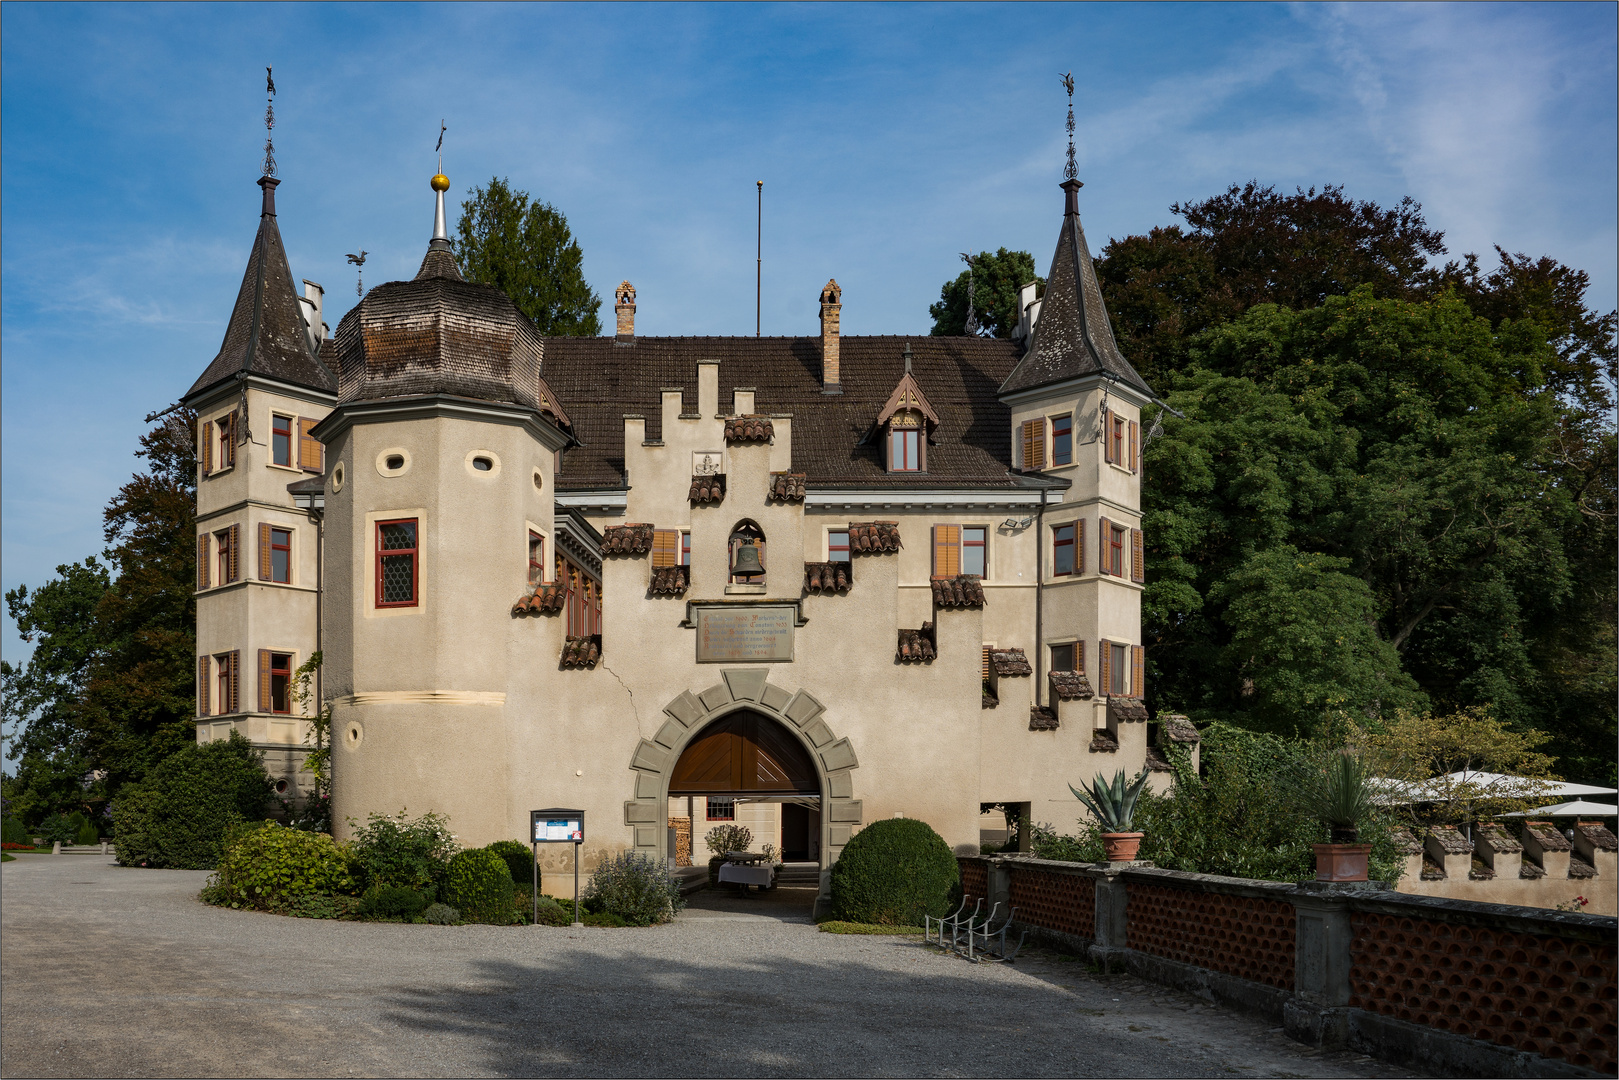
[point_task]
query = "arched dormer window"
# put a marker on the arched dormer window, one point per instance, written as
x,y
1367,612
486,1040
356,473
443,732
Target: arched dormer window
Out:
x,y
906,421
741,565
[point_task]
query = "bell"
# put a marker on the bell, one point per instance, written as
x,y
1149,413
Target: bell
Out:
x,y
746,560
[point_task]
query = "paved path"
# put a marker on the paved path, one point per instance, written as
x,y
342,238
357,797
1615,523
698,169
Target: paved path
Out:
x,y
112,971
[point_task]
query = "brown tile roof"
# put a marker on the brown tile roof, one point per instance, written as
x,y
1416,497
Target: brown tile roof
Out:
x,y
1497,839
1431,871
1042,718
600,380
1178,728
1579,868
1598,834
874,537
1009,662
1480,871
826,577
704,489
1530,869
265,334
545,600
670,581
1070,686
581,652
1450,841
1404,842
786,487
748,429
990,700
632,539
961,591
1547,836
1103,742
1125,710
1072,337
1156,762
917,645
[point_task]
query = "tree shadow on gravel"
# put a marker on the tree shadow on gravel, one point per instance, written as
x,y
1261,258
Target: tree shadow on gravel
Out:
x,y
578,1013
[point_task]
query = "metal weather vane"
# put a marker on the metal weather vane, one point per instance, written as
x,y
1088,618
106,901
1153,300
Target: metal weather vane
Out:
x,y
1072,170
269,122
971,325
359,262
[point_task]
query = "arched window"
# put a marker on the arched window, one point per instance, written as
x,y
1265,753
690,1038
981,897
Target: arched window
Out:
x,y
745,534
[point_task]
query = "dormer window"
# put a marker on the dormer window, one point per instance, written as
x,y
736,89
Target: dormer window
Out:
x,y
905,442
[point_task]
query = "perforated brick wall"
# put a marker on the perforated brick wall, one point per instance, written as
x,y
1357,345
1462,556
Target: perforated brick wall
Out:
x,y
1249,937
1533,992
1060,902
974,880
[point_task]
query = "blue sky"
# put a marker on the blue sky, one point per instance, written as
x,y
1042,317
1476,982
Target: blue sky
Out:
x,y
889,139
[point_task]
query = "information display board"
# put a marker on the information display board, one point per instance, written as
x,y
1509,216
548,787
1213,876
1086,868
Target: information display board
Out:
x,y
726,635
556,825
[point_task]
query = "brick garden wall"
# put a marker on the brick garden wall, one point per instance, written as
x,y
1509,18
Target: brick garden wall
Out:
x,y
1244,936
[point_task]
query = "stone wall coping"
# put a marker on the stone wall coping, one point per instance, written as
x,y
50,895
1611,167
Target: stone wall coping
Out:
x,y
1566,924
1214,883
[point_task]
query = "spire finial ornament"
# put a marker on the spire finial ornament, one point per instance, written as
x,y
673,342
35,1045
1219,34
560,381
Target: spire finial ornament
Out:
x,y
269,122
907,358
1072,170
440,184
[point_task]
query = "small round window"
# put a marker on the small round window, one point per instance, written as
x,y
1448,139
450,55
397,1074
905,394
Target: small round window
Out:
x,y
280,787
539,479
337,477
482,464
393,461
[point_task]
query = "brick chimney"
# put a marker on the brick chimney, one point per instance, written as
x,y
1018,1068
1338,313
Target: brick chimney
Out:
x,y
831,304
624,308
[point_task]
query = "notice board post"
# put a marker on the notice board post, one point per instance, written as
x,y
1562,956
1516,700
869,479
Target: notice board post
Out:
x,y
557,826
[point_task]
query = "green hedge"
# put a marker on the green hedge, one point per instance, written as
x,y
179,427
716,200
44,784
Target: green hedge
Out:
x,y
269,866
178,815
480,886
893,872
519,859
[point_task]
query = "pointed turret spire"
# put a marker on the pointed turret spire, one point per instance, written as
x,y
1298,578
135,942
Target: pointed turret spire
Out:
x,y
440,258
1073,337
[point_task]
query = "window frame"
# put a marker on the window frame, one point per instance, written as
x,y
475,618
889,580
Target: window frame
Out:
x,y
1062,440
285,673
1052,659
286,550
982,544
582,603
833,548
1117,535
223,556
685,547
1057,542
729,803
277,432
908,442
1119,669
222,684
536,565
413,551
1115,435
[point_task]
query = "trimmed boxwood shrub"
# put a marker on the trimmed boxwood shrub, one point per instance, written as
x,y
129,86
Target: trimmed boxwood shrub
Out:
x,y
392,902
269,866
480,886
893,872
441,915
636,888
519,859
13,831
177,816
553,913
391,849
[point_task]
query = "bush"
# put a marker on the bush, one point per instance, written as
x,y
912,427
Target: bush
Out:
x,y
270,865
636,888
390,849
87,835
723,838
894,871
177,816
519,859
603,918
441,915
552,912
480,885
393,902
12,831
59,829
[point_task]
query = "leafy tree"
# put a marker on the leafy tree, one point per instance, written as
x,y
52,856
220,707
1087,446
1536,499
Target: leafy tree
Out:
x,y
525,249
1431,759
178,816
996,278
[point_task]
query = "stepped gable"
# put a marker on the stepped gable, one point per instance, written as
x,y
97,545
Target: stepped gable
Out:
x,y
835,440
1072,337
265,335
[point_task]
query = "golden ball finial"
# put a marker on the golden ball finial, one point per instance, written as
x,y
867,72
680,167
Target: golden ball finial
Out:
x,y
441,182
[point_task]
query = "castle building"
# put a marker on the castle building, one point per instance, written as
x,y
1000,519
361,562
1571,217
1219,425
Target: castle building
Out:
x,y
798,583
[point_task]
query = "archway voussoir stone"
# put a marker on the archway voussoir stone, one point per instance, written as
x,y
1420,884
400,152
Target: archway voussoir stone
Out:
x,y
775,699
686,709
847,811
648,785
839,785
669,734
640,811
840,755
745,684
651,757
715,697
818,734
803,708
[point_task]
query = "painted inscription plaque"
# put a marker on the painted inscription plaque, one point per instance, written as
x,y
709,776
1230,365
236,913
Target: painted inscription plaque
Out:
x,y
726,635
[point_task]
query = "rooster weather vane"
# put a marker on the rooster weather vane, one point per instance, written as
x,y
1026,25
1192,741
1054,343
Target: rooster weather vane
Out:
x,y
359,262
1072,171
269,122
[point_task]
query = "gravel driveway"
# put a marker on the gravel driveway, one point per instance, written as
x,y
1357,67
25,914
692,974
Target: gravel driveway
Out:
x,y
112,971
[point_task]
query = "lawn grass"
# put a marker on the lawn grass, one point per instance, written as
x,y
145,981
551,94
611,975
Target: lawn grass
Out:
x,y
7,858
838,927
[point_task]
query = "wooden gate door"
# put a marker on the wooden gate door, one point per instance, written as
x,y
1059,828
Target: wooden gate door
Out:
x,y
745,754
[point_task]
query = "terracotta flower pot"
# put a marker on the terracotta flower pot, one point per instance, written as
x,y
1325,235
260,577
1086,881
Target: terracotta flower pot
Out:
x,y
1121,846
1341,862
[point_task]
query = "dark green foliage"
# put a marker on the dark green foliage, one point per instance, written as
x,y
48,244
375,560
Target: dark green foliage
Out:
x,y
605,918
266,865
87,834
894,871
1339,794
636,888
178,816
996,279
525,249
553,912
441,915
479,885
519,859
1112,802
392,902
13,831
391,849
60,828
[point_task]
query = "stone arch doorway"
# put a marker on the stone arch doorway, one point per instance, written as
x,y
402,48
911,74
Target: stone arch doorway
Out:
x,y
745,759
799,720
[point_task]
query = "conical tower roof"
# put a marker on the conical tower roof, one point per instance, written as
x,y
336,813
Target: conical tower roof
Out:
x,y
1072,338
266,331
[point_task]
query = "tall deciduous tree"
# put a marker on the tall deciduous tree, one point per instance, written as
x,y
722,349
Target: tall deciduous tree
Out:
x,y
996,278
524,247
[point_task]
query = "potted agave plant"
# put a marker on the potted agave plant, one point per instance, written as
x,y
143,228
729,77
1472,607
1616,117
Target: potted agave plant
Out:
x,y
1341,799
1114,805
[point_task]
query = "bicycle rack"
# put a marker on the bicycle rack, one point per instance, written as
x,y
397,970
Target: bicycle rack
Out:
x,y
928,937
1000,955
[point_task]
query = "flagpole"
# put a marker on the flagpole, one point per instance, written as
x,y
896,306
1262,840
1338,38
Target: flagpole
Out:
x,y
759,259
